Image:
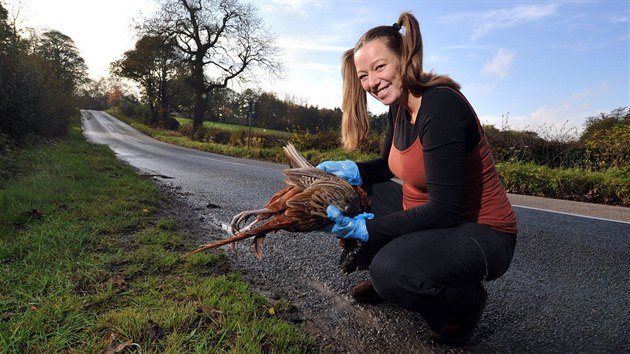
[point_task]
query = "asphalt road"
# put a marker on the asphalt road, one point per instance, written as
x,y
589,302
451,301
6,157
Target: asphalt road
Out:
x,y
568,288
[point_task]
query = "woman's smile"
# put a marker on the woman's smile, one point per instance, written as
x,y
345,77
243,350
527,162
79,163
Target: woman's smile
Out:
x,y
381,93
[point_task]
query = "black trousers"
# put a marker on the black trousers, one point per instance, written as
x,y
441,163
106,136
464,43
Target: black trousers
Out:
x,y
435,272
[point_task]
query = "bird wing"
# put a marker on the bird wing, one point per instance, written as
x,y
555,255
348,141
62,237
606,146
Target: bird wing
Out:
x,y
301,205
305,177
278,202
294,158
314,200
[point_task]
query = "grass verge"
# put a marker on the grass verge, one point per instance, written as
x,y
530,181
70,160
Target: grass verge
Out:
x,y
87,265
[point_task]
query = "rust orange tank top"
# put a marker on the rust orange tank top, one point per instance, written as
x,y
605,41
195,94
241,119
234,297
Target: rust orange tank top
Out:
x,y
485,200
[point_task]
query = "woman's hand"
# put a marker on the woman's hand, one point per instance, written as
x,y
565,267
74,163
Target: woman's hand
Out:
x,y
347,226
345,169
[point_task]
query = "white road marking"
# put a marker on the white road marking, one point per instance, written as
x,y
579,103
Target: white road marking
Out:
x,y
571,214
229,162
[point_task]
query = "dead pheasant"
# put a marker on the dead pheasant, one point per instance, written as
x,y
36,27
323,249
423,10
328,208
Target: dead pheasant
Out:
x,y
300,207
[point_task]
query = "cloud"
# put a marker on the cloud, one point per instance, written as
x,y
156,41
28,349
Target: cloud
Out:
x,y
507,18
480,88
318,67
618,19
500,64
491,20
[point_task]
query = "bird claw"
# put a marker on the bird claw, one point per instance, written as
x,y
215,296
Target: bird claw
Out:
x,y
238,219
257,247
348,261
235,224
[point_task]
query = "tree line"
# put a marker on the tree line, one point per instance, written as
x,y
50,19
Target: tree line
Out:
x,y
40,74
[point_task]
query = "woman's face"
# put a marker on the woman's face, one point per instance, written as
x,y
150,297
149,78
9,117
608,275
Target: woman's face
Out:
x,y
378,69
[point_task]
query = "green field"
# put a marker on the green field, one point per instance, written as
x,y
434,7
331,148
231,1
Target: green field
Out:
x,y
237,128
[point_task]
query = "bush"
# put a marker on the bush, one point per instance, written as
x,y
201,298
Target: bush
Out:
x,y
373,143
611,146
27,105
610,187
606,149
318,140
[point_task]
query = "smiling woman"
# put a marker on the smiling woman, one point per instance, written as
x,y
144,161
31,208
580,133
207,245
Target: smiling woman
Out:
x,y
382,62
450,226
377,67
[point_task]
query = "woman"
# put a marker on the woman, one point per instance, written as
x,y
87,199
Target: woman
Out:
x,y
430,243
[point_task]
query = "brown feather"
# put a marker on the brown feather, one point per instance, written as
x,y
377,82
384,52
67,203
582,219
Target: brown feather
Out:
x,y
301,207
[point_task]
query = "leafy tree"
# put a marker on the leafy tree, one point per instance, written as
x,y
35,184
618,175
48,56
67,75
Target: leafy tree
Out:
x,y
609,135
224,105
154,63
61,56
378,123
221,40
270,111
5,30
93,94
605,121
39,75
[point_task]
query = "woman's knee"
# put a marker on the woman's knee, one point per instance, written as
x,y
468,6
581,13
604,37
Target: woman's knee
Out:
x,y
383,272
392,275
501,256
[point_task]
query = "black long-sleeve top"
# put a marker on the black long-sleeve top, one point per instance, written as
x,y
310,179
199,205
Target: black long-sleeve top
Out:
x,y
448,130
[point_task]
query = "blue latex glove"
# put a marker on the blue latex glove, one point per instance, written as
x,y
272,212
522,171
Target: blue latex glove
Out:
x,y
345,169
348,226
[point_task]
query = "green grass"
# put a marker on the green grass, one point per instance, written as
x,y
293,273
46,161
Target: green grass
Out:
x,y
237,128
87,263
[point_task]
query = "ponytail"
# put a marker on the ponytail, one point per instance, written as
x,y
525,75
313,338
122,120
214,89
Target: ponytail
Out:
x,y
355,121
414,78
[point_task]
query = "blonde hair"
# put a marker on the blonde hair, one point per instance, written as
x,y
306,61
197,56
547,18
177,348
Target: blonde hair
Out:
x,y
355,122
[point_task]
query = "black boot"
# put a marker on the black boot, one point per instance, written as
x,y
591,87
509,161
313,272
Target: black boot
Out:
x,y
365,293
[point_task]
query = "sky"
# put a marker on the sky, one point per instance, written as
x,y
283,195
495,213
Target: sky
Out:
x,y
536,65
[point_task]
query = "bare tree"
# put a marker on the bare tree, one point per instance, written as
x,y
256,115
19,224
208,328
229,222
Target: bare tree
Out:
x,y
15,12
222,41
